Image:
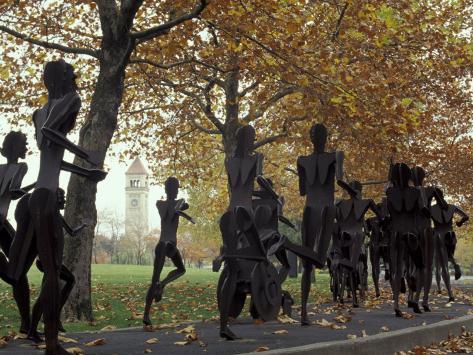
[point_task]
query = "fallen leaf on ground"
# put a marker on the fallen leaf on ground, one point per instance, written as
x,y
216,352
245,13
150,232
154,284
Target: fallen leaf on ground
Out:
x,y
181,343
338,326
363,333
147,351
406,315
40,346
75,351
384,328
66,340
351,336
342,319
3,343
108,328
20,336
282,331
285,319
96,342
261,349
188,329
192,336
323,323
152,341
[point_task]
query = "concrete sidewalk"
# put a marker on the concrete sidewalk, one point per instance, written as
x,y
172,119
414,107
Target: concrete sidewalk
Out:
x,y
375,318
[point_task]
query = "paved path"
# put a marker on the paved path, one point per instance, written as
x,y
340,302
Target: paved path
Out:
x,y
373,318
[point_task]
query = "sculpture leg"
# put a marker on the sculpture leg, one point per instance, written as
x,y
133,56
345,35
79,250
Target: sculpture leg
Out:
x,y
21,289
428,263
69,281
159,258
443,259
180,269
396,257
309,233
44,217
227,293
451,252
375,268
353,286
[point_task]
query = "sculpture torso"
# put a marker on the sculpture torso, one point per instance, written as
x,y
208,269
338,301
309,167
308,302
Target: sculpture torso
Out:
x,y
426,194
403,206
169,220
443,219
241,174
51,154
350,215
318,178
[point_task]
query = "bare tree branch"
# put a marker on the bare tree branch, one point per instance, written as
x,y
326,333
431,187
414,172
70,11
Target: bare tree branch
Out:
x,y
269,140
339,22
162,29
248,89
160,65
258,111
49,45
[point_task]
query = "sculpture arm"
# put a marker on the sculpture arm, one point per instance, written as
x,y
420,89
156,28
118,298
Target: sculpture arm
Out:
x,y
339,157
372,206
301,173
464,216
439,198
287,222
95,175
265,184
186,216
15,184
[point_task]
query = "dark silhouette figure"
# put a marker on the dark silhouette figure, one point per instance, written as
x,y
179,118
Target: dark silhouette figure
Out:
x,y
11,176
317,173
65,275
378,245
348,241
426,239
37,214
446,240
404,204
169,210
241,170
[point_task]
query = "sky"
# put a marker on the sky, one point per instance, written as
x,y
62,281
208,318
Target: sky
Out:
x,y
110,192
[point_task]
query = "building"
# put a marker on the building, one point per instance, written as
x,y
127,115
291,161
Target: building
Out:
x,y
136,190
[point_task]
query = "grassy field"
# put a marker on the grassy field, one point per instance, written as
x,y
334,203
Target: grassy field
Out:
x,y
119,292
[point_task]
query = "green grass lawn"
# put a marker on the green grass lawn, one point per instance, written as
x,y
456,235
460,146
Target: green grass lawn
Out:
x,y
119,292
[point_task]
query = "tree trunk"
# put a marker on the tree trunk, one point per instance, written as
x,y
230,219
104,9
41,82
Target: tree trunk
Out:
x,y
95,135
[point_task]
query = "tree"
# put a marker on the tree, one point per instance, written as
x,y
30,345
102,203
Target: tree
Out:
x,y
108,32
389,79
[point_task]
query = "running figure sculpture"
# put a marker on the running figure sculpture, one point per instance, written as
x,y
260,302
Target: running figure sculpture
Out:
x,y
37,214
446,240
65,275
426,239
404,204
11,177
317,173
169,210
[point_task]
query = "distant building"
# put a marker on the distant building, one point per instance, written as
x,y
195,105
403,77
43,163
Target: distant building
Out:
x,y
136,190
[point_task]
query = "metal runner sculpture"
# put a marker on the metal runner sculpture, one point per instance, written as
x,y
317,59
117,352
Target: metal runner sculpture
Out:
x,y
426,239
378,245
445,239
65,275
169,210
37,214
404,204
317,173
11,176
348,241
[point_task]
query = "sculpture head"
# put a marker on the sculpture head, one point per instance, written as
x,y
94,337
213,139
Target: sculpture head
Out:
x,y
400,175
318,137
14,146
59,78
245,137
171,187
418,175
357,187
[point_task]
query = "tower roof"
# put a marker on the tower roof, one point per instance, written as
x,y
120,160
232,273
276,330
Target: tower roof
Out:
x,y
137,168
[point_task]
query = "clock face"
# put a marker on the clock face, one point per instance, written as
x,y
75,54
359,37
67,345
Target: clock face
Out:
x,y
134,202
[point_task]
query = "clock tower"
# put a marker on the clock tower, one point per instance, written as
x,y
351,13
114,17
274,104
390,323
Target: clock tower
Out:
x,y
136,190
